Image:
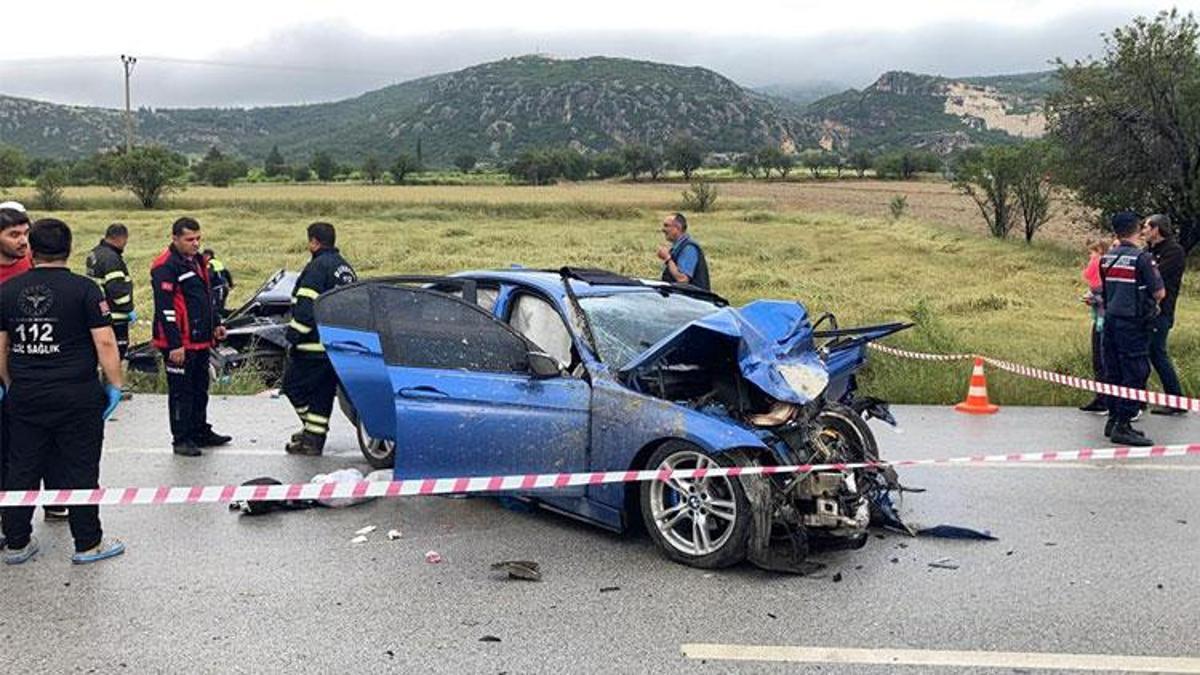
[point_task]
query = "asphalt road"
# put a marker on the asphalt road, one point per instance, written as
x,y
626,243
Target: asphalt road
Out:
x,y
1097,559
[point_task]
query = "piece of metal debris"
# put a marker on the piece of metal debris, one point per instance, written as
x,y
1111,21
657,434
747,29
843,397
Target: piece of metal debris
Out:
x,y
519,569
433,557
360,539
609,589
837,578
944,564
489,638
365,530
393,535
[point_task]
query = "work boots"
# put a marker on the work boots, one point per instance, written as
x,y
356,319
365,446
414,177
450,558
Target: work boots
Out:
x,y
211,439
309,444
1124,434
1109,425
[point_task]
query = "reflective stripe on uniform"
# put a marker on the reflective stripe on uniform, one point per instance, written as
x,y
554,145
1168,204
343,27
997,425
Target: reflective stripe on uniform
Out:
x,y
306,293
317,419
310,347
299,327
316,429
115,275
119,316
186,275
123,299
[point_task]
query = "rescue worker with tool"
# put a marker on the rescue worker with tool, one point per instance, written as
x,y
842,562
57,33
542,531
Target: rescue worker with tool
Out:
x,y
310,382
106,264
683,259
1133,290
54,332
186,325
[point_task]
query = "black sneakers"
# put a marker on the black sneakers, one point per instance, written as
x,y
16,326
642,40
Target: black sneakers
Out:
x,y
186,449
1169,412
211,439
1125,434
1109,426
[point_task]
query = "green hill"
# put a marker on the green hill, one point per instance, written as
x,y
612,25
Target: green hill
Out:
x,y
492,110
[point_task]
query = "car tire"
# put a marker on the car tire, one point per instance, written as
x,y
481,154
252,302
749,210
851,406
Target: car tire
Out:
x,y
705,523
380,454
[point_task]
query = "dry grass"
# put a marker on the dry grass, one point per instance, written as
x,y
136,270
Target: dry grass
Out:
x,y
829,245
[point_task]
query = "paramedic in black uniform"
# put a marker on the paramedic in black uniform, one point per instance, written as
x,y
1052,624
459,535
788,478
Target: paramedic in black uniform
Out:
x,y
54,332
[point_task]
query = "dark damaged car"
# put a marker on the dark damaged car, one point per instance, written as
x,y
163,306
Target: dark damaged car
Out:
x,y
520,371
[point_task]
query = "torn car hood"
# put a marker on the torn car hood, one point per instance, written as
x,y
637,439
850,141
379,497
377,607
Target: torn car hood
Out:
x,y
774,341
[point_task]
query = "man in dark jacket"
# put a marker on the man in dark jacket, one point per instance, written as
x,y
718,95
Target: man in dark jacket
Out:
x,y
1132,290
186,326
106,264
683,259
310,382
1159,234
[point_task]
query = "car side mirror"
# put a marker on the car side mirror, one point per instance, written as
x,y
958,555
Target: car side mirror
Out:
x,y
543,366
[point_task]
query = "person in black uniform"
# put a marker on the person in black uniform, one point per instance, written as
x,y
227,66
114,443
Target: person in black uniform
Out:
x,y
222,281
186,325
54,332
683,259
1171,260
1132,291
106,264
309,381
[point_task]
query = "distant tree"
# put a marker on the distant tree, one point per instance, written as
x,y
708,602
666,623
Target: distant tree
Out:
x,y
465,162
838,163
784,164
275,164
988,177
371,169
768,158
655,163
815,161
860,161
39,165
906,164
685,155
49,189
1127,126
13,164
301,174
747,164
218,169
404,165
1032,187
608,165
420,156
700,197
323,165
542,166
637,159
150,172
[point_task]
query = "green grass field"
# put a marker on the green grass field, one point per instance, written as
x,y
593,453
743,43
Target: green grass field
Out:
x,y
964,291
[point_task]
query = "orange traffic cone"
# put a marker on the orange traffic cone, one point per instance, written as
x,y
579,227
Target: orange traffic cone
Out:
x,y
977,402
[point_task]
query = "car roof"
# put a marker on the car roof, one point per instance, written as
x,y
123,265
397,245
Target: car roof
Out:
x,y
551,283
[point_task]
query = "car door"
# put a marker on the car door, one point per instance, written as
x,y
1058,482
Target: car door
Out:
x,y
465,401
346,321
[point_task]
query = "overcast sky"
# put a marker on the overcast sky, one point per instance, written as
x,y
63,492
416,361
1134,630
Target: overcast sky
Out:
x,y
225,53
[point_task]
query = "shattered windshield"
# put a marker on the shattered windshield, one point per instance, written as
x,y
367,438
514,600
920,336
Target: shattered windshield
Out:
x,y
627,324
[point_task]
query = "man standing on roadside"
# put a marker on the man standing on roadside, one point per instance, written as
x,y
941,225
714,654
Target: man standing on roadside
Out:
x,y
1168,254
1132,291
309,380
54,333
106,264
186,325
683,259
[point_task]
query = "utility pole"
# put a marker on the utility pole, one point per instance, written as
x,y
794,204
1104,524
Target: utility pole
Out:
x,y
128,62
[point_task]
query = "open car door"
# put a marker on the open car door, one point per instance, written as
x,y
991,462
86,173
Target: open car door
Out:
x,y
452,385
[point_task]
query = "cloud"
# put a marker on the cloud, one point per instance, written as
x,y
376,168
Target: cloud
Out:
x,y
332,60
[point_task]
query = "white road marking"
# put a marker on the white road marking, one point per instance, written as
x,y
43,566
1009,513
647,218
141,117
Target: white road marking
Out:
x,y
952,659
1094,466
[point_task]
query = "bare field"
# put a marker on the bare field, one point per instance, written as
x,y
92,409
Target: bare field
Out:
x,y
828,244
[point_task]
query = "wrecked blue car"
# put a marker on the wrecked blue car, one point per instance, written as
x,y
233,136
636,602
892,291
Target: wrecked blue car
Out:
x,y
520,371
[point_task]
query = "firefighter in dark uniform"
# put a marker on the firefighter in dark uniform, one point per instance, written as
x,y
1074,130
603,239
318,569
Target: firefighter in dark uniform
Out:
x,y
54,333
106,264
221,278
683,259
310,382
1132,290
186,325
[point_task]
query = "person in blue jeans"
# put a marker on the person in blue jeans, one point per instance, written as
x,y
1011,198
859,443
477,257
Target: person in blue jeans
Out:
x,y
1158,233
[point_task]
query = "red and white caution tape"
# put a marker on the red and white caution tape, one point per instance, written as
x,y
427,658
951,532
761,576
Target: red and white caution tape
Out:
x,y
1153,397
215,494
